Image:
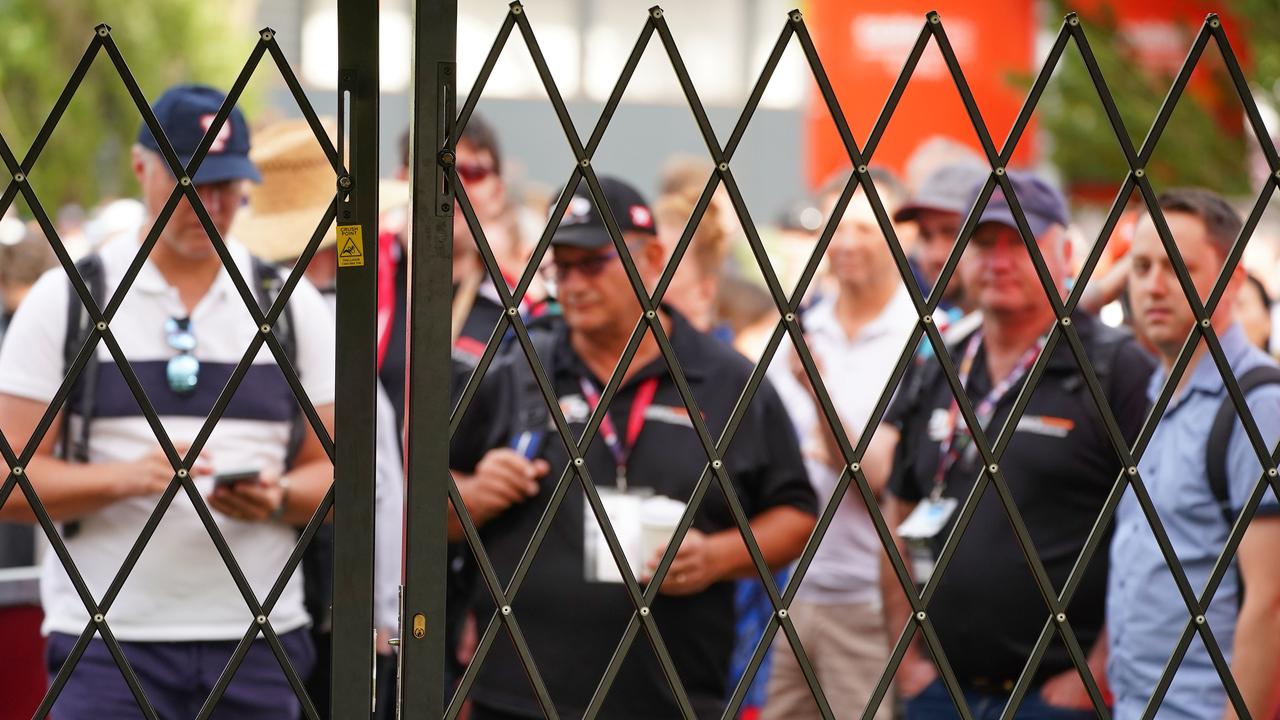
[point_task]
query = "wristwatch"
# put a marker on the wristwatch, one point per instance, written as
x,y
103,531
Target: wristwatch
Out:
x,y
283,483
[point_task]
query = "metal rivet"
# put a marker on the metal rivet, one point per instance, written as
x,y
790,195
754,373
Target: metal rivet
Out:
x,y
855,467
1215,22
104,31
1205,323
19,177
516,9
656,13
1140,172
1199,619
920,616
586,162
862,169
102,327
927,319
182,473
999,171
444,207
17,470
782,613
506,609
935,19
1278,174
512,311
344,181
724,167
577,461
262,619
716,464
796,16
264,328
993,468
98,618
790,317
1133,470
1271,472
644,612
1066,322
267,35
185,181
1073,20
650,314
1062,617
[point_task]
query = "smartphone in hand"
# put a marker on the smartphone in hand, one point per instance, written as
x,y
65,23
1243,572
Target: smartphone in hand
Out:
x,y
231,478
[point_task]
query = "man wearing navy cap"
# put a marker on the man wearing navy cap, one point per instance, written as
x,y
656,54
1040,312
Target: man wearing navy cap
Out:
x,y
183,327
507,457
1059,466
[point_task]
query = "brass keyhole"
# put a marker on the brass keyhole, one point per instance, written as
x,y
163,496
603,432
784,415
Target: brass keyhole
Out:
x,y
419,626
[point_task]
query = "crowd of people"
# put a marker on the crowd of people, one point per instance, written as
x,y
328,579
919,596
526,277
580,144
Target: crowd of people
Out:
x,y
741,470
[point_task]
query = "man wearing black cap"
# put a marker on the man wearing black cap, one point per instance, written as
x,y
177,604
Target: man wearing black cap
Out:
x,y
183,327
1059,465
645,462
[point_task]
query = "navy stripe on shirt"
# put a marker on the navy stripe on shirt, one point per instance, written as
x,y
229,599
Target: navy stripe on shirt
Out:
x,y
262,395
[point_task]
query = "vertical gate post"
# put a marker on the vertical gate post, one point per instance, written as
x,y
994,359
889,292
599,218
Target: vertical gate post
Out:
x,y
354,433
422,636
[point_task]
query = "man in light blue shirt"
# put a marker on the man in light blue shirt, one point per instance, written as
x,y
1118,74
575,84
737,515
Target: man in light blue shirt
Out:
x,y
1145,613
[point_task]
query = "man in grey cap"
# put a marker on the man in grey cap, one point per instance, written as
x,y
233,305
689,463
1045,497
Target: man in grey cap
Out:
x,y
646,458
1059,466
938,208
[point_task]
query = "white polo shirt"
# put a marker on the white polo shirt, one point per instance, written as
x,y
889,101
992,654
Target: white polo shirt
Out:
x,y
180,588
846,568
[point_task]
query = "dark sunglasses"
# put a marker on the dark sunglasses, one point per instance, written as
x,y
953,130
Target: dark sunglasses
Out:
x,y
473,172
183,369
590,266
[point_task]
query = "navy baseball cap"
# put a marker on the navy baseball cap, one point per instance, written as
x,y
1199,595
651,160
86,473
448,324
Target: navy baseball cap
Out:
x,y
186,112
1042,203
583,225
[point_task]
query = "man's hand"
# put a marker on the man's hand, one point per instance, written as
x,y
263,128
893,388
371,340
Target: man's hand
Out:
x,y
151,474
915,674
1066,691
503,478
251,501
694,567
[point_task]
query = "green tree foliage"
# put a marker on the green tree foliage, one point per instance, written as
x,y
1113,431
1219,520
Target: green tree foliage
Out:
x,y
163,43
1199,146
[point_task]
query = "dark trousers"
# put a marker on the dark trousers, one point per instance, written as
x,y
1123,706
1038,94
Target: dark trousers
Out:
x,y
178,677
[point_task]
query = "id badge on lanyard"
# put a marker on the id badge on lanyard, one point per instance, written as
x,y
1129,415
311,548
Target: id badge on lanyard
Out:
x,y
933,514
642,521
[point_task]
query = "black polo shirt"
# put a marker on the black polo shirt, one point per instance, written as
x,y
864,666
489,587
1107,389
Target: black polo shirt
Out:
x,y
1060,465
572,626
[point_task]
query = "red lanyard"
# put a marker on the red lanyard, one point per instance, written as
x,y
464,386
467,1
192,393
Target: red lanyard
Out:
x,y
958,439
621,450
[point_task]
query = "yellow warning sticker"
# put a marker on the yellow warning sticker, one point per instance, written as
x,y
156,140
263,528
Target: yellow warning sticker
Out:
x,y
350,246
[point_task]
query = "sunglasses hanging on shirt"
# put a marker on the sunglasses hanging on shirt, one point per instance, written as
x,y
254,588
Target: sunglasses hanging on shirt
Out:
x,y
183,369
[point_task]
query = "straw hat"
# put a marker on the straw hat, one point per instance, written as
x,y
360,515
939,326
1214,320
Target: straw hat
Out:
x,y
298,183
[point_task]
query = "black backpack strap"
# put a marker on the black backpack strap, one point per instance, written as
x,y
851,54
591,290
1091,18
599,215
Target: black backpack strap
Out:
x,y
267,283
1224,422
79,325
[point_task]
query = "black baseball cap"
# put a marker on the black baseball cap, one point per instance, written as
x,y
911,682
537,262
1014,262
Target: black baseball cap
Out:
x,y
186,112
583,225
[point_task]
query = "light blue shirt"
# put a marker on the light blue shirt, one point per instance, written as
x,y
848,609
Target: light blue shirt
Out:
x,y
1145,613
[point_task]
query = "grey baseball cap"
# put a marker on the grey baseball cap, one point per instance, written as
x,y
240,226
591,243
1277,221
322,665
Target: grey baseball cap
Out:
x,y
1042,203
948,189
